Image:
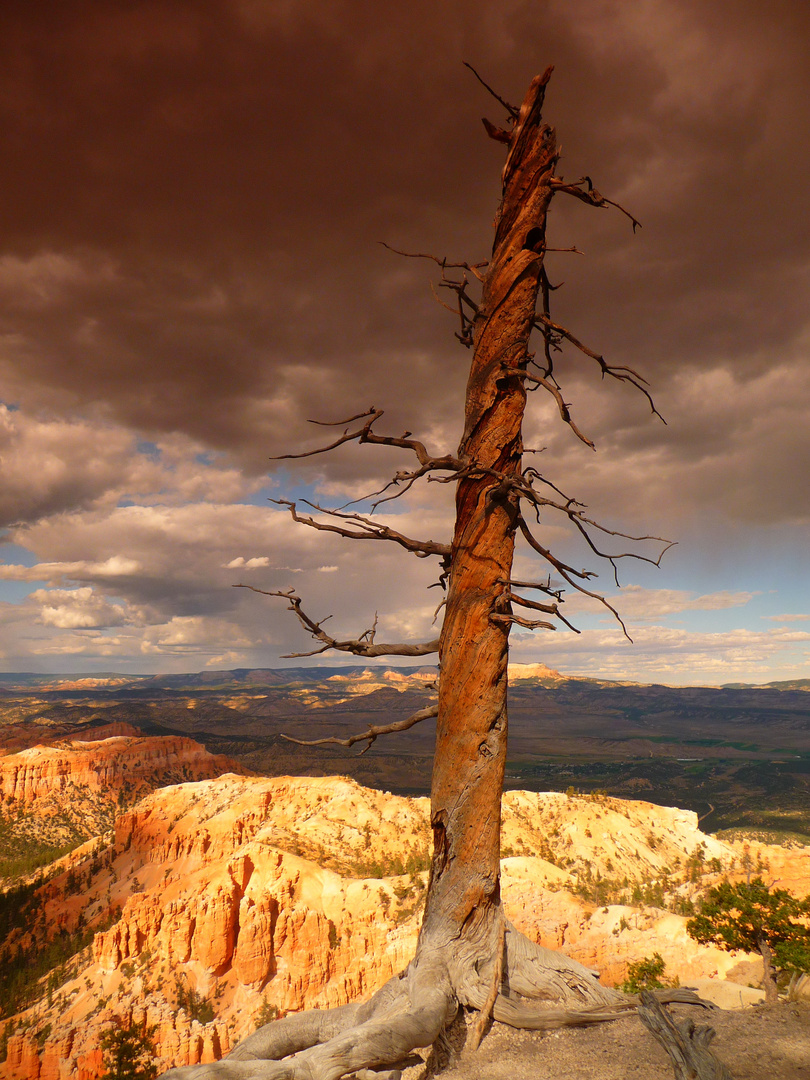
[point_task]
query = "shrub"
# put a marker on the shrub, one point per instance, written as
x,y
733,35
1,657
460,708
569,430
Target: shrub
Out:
x,y
645,974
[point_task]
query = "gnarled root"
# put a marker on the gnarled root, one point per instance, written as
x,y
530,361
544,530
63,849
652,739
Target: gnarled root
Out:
x,y
409,1011
539,989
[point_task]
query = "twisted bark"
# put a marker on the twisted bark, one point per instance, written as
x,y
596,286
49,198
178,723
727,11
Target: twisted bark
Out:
x,y
467,955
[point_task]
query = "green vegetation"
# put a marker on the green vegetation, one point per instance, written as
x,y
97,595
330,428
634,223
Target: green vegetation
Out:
x,y
755,917
23,967
196,1005
601,891
411,861
266,1014
646,974
385,866
22,851
5,1035
778,837
21,971
128,1054
764,796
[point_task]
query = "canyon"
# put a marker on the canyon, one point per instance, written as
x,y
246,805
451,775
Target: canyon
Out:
x,y
210,905
61,793
738,755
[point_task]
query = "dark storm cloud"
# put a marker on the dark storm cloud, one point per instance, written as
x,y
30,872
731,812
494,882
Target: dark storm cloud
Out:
x,y
192,200
219,175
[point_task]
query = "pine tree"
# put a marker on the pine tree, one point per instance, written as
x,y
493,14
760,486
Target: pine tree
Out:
x,y
128,1053
755,917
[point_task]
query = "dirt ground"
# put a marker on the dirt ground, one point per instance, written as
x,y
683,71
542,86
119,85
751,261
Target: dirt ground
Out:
x,y
761,1043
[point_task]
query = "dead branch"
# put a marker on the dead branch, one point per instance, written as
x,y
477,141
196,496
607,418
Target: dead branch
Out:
x,y
590,195
549,343
372,732
530,624
456,284
686,1044
404,477
365,529
562,405
364,434
513,110
483,1018
441,261
341,423
496,133
522,486
540,586
580,521
621,374
551,609
569,574
582,524
529,130
361,646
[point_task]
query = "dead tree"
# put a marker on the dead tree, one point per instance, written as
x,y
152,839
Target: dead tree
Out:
x,y
686,1044
467,954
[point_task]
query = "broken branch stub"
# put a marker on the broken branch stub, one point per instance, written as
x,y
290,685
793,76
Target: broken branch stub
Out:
x,y
686,1044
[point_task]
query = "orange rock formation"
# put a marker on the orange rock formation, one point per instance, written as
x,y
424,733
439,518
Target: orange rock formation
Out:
x,y
103,765
258,895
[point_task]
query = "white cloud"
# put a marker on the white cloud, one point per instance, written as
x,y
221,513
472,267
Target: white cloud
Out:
x,y
53,466
115,566
697,68
670,654
74,609
48,276
636,602
193,633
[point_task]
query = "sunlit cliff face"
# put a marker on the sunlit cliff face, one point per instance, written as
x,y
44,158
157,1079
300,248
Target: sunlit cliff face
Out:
x,y
218,903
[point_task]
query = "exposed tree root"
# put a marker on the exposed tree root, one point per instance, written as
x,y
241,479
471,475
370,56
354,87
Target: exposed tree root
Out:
x,y
540,989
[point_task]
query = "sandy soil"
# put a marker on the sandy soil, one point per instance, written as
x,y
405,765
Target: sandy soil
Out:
x,y
762,1043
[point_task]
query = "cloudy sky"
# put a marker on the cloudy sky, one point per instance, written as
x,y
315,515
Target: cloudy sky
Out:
x,y
191,205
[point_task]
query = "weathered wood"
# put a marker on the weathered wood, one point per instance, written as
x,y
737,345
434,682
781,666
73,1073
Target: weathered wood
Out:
x,y
465,954
463,900
686,1044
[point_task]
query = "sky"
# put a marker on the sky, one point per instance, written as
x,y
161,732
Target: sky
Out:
x,y
192,205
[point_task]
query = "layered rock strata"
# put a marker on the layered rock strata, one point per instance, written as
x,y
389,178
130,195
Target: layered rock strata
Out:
x,y
243,897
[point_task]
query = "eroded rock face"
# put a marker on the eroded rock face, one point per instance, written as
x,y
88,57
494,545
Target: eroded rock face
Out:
x,y
242,896
57,794
43,772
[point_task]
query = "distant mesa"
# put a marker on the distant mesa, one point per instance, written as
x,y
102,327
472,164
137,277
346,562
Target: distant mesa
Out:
x,y
519,672
106,765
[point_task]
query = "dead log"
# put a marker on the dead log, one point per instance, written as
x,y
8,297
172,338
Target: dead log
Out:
x,y
686,1043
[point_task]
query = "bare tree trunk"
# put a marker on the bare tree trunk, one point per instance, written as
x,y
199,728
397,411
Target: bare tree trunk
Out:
x,y
768,973
464,892
466,954
686,1044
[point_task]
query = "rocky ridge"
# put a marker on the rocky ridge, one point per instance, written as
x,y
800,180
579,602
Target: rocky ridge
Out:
x,y
345,686
73,790
41,772
219,903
